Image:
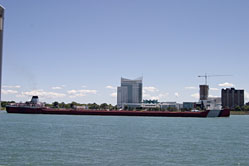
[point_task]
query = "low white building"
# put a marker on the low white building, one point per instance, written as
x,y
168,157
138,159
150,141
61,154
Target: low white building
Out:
x,y
160,105
165,105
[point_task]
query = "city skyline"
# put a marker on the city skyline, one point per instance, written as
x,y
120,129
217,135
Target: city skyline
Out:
x,y
80,55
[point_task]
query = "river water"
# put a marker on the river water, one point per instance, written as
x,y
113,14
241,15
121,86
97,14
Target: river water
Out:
x,y
119,141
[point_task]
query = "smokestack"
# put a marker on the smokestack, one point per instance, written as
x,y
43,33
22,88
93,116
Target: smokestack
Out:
x,y
34,100
1,48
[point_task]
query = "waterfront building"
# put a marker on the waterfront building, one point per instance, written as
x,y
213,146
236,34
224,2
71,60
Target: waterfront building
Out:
x,y
204,92
189,105
167,105
154,105
150,101
232,97
130,92
147,104
1,48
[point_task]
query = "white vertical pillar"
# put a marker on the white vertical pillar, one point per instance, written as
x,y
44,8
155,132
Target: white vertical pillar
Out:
x,y
1,48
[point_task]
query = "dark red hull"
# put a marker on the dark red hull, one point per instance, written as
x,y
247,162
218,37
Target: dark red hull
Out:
x,y
32,110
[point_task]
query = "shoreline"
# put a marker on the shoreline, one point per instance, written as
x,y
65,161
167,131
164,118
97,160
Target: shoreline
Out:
x,y
239,112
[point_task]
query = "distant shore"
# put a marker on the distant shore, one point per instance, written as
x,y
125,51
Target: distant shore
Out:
x,y
239,112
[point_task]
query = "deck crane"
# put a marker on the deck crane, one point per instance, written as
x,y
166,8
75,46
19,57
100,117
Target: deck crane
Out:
x,y
206,76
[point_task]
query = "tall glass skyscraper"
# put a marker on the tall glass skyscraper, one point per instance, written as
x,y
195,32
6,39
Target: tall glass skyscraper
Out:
x,y
130,91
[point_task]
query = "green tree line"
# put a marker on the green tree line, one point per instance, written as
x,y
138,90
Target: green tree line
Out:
x,y
243,108
4,103
89,105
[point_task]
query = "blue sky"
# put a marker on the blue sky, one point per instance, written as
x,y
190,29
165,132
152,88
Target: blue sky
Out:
x,y
77,50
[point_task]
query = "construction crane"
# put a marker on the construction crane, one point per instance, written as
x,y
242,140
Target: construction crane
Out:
x,y
206,76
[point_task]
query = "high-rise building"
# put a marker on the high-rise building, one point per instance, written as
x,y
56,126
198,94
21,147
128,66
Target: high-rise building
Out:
x,y
129,92
1,47
231,98
204,92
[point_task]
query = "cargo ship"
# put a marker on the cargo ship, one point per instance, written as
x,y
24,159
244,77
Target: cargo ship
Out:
x,y
34,107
